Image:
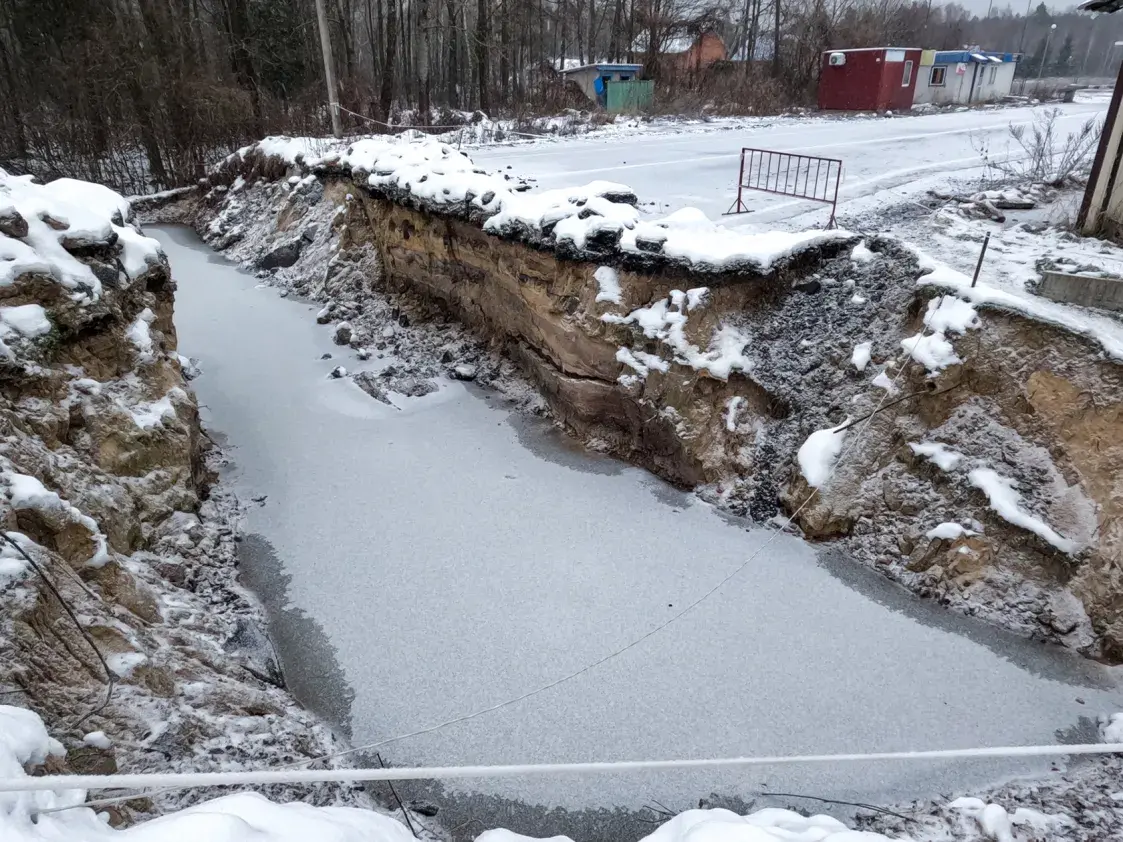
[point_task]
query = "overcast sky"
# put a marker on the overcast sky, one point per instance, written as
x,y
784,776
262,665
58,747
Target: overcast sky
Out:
x,y
979,7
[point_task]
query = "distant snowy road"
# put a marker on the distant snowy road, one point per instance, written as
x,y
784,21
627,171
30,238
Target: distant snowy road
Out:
x,y
699,169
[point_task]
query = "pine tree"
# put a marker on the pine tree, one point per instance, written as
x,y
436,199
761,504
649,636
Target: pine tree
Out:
x,y
1032,63
1063,64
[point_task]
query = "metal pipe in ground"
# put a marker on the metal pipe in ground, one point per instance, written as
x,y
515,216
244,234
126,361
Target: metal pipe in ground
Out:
x,y
979,265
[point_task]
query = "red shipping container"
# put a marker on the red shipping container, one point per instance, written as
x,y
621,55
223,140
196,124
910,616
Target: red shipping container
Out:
x,y
873,79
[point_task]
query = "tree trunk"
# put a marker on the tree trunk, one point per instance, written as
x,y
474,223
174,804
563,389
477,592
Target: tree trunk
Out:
x,y
482,57
505,54
616,34
776,39
453,56
386,95
592,32
423,60
238,31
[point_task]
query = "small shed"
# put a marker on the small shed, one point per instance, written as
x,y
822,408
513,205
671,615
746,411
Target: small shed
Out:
x,y
872,79
595,79
964,77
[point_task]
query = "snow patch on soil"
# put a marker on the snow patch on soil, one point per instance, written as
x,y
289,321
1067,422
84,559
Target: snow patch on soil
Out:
x,y
818,455
1006,501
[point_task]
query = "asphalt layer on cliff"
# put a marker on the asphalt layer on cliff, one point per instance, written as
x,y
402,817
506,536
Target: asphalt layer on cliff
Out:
x,y
446,555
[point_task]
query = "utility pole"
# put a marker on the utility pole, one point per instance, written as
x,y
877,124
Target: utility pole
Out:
x,y
329,69
1025,28
1044,57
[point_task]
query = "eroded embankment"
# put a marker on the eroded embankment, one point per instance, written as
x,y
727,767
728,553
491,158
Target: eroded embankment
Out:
x,y
126,631
990,477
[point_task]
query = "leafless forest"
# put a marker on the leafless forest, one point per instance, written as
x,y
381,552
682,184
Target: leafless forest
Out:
x,y
144,94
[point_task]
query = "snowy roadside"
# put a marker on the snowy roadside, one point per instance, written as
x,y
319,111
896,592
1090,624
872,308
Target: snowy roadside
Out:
x,y
477,131
481,131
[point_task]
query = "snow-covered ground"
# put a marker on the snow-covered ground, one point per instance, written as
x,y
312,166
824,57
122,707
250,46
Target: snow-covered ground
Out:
x,y
453,556
699,168
889,164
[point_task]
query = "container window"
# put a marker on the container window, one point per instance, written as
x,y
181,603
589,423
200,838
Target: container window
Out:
x,y
993,73
939,77
906,79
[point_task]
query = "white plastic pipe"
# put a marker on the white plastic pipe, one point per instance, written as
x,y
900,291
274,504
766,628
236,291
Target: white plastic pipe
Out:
x,y
185,780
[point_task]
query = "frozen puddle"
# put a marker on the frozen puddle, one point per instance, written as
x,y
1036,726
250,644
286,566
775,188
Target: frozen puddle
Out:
x,y
424,564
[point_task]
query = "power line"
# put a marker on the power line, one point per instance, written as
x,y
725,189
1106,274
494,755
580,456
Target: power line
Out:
x,y
188,780
81,629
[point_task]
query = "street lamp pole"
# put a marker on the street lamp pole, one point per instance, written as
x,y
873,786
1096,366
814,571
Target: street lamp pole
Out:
x,y
1045,56
1107,58
1088,52
1025,27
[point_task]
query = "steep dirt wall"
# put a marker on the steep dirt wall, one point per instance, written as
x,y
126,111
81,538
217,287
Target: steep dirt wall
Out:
x,y
1039,405
547,308
127,623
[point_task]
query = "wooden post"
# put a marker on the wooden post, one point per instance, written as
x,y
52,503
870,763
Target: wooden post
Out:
x,y
329,69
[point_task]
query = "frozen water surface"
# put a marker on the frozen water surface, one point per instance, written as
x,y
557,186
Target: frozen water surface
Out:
x,y
430,562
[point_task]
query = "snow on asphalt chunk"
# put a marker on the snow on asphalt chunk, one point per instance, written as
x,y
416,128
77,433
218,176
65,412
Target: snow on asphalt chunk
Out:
x,y
862,254
883,381
948,531
68,213
17,258
708,247
1006,501
1112,728
942,456
997,824
819,454
97,739
861,356
608,285
932,351
948,313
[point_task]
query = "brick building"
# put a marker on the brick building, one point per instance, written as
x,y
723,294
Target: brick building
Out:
x,y
683,52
